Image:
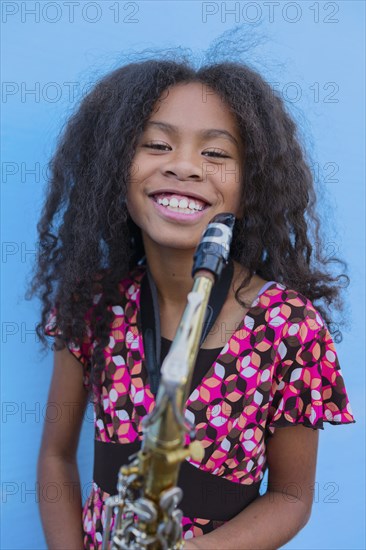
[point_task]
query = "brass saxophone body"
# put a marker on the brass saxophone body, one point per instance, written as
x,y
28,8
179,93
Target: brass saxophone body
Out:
x,y
145,509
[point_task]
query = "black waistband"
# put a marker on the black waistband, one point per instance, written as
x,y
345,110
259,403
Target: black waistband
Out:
x,y
205,495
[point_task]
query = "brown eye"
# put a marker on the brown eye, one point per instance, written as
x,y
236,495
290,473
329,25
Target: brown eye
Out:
x,y
217,153
159,146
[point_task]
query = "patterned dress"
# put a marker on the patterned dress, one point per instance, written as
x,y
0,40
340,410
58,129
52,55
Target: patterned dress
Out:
x,y
278,368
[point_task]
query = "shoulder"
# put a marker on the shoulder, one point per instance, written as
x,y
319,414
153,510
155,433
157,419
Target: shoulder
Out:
x,y
289,312
127,290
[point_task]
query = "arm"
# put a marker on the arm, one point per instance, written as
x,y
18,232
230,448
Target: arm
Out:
x,y
57,468
276,517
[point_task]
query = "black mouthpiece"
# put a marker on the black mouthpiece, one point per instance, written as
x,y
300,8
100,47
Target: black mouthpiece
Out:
x,y
213,250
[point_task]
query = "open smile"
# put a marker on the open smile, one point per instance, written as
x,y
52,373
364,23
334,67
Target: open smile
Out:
x,y
179,207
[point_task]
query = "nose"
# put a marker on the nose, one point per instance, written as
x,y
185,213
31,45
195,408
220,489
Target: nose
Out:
x,y
183,166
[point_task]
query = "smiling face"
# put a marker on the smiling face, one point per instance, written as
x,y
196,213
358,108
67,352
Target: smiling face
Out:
x,y
186,168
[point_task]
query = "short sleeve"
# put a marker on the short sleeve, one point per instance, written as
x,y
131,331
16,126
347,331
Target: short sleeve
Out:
x,y
82,353
308,386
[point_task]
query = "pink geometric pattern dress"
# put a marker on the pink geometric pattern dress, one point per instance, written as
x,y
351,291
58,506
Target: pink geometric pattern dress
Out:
x,y
278,368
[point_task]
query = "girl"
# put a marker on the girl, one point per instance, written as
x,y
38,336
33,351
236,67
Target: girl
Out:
x,y
151,155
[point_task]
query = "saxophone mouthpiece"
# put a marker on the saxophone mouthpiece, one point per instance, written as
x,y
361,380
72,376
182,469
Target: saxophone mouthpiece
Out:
x,y
212,253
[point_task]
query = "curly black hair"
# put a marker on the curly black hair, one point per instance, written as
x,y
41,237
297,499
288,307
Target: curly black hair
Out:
x,y
87,241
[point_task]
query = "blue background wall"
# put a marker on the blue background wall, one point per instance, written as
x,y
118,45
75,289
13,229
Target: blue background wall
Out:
x,y
314,55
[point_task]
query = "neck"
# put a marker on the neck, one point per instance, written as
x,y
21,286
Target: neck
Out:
x,y
171,270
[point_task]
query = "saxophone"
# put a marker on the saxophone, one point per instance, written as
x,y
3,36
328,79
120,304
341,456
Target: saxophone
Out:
x,y
145,509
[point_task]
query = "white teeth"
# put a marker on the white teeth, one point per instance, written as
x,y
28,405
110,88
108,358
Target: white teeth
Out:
x,y
181,210
184,204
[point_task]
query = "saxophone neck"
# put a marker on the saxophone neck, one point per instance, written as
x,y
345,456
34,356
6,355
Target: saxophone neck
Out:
x,y
179,363
166,422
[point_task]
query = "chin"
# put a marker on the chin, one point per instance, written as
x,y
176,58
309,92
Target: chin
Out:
x,y
174,242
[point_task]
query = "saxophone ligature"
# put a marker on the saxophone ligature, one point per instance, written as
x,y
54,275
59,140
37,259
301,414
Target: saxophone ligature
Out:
x,y
144,513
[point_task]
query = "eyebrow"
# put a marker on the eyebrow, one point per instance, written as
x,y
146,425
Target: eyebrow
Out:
x,y
211,132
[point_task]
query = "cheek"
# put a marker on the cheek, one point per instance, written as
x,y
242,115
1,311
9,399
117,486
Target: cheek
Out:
x,y
231,182
231,174
131,202
137,206
139,166
136,170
